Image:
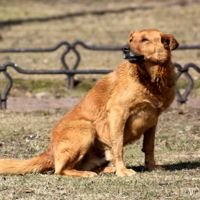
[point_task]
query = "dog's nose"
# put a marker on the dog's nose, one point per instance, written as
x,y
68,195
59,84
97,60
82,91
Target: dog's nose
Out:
x,y
125,48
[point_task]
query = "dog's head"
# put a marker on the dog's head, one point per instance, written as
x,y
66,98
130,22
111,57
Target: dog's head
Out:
x,y
149,45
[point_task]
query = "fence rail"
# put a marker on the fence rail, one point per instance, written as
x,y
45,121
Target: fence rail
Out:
x,y
70,72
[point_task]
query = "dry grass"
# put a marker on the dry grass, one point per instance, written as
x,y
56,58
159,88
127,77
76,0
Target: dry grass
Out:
x,y
177,149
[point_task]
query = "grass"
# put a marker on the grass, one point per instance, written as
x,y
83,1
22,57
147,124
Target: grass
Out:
x,y
56,88
177,150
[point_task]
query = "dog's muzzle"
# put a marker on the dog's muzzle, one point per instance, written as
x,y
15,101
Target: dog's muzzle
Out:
x,y
130,56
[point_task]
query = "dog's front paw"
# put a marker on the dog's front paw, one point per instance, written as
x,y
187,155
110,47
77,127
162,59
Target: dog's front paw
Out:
x,y
125,172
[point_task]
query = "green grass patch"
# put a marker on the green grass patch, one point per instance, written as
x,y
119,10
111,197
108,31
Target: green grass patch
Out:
x,y
183,83
52,87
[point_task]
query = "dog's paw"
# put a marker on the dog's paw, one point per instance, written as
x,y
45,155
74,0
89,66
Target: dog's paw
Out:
x,y
109,170
125,172
89,174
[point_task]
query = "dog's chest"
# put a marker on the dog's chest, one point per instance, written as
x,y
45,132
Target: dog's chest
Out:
x,y
140,120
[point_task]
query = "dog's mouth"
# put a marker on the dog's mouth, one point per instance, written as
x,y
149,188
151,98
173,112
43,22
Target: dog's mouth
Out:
x,y
131,56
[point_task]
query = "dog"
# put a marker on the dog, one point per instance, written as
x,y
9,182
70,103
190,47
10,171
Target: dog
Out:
x,y
123,106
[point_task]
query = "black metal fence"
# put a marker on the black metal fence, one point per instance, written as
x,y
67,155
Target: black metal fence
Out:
x,y
70,72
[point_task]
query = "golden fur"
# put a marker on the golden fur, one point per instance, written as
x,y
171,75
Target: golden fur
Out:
x,y
118,110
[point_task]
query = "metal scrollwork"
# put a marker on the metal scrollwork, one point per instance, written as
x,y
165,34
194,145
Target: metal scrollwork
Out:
x,y
184,70
70,72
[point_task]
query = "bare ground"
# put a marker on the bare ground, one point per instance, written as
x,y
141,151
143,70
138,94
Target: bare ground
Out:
x,y
32,103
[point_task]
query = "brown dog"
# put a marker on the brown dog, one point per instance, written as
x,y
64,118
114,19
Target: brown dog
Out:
x,y
117,111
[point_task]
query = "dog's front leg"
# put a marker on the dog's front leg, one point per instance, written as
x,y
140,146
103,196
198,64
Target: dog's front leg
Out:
x,y
117,121
148,149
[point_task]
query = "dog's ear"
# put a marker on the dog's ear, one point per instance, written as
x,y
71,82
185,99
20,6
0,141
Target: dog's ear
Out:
x,y
169,41
130,34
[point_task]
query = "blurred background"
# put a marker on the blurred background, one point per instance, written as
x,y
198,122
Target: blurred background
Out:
x,y
44,23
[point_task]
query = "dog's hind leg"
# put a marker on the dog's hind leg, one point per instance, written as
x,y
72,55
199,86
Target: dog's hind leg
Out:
x,y
65,166
72,148
77,173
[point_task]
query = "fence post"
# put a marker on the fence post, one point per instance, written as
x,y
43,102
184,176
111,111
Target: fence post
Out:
x,y
0,102
70,81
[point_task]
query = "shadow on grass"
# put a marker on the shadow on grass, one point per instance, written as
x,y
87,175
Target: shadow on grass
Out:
x,y
171,167
182,165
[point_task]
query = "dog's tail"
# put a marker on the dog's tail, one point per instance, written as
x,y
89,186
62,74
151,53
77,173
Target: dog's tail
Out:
x,y
41,163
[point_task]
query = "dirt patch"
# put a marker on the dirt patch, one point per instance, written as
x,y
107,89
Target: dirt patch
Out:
x,y
192,102
31,103
24,103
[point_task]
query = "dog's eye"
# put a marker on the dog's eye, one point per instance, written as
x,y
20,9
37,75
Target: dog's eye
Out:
x,y
144,40
130,40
